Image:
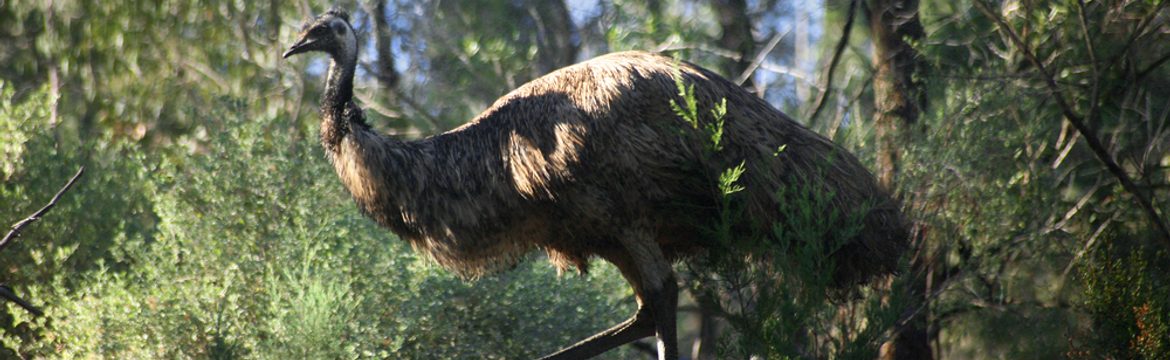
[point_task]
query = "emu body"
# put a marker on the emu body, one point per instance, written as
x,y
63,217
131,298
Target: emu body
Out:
x,y
587,162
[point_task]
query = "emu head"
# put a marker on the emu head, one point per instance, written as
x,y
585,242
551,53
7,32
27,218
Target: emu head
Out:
x,y
330,33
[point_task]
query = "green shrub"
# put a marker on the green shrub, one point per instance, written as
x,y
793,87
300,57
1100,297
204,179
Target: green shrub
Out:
x,y
248,247
776,292
775,287
1127,295
88,231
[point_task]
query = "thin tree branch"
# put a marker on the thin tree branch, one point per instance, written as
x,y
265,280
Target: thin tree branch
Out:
x,y
1146,20
759,58
736,34
773,67
1142,74
431,120
832,66
369,102
5,291
401,96
1084,21
1084,250
16,228
1079,123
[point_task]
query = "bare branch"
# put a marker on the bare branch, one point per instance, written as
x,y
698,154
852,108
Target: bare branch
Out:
x,y
769,66
1079,123
1085,249
431,121
736,34
5,291
1092,58
759,58
1154,66
1141,30
832,66
16,228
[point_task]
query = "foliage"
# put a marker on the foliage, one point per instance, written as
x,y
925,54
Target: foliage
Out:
x,y
1128,296
261,256
79,235
1009,196
21,122
209,224
773,287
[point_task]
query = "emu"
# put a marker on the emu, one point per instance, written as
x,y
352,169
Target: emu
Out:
x,y
590,161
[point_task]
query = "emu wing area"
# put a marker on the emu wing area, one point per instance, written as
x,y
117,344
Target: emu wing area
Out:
x,y
567,161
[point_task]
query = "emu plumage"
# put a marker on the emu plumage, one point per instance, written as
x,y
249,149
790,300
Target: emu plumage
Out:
x,y
590,161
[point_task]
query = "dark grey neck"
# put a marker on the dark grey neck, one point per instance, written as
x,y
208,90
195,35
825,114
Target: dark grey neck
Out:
x,y
340,116
339,86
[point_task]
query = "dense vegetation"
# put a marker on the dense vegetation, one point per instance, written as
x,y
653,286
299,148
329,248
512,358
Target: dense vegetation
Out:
x,y
1033,159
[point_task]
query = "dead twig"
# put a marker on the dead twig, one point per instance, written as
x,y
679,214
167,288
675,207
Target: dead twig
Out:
x,y
759,58
16,228
832,66
5,291
1082,126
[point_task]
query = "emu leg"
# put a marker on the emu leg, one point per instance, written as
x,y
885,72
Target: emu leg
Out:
x,y
657,293
665,310
656,287
636,327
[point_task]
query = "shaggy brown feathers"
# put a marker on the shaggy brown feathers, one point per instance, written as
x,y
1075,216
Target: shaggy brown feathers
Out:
x,y
590,161
567,161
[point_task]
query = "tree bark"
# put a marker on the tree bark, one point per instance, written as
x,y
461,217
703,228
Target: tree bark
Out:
x,y
274,20
556,28
709,327
898,103
736,37
386,75
898,98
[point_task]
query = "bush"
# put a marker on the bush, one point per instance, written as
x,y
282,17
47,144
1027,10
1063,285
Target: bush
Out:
x,y
776,292
86,232
247,247
775,287
1127,295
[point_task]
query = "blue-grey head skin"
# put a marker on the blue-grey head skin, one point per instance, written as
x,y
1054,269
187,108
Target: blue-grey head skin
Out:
x,y
330,33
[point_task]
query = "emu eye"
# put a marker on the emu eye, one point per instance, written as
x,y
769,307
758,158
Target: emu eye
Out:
x,y
338,27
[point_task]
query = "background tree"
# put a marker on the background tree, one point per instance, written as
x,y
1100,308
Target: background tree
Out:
x,y
899,100
1037,176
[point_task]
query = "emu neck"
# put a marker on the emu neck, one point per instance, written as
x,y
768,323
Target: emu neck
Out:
x,y
339,86
364,160
338,119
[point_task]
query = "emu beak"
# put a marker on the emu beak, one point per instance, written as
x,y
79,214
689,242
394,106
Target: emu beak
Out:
x,y
302,45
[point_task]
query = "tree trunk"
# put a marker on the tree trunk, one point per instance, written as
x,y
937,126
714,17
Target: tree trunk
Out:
x,y
737,37
898,103
556,32
801,47
274,20
709,327
898,98
386,75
